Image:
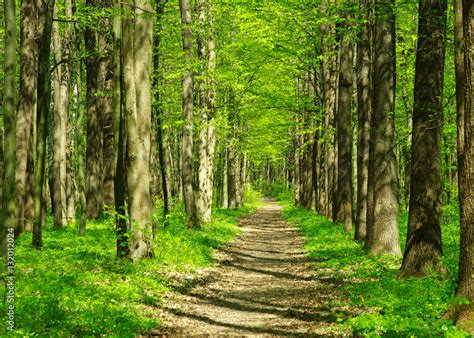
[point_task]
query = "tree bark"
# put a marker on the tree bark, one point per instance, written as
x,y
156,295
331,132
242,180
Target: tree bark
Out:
x,y
26,107
79,151
94,150
466,177
187,116
327,172
45,23
306,167
158,109
344,134
384,238
242,167
460,81
106,106
231,173
203,205
424,247
8,217
211,107
137,59
29,210
69,40
122,246
60,115
364,92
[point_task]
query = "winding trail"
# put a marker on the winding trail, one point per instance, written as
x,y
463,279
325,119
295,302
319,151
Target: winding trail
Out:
x,y
264,285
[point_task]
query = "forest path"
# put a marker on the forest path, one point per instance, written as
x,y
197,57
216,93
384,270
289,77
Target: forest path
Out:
x,y
264,285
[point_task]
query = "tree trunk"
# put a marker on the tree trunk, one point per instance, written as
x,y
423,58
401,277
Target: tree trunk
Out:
x,y
203,205
79,151
424,245
242,164
211,106
460,81
122,246
106,106
364,91
187,116
158,110
60,115
297,157
329,65
466,177
69,137
306,172
384,238
109,154
8,217
344,134
26,107
29,211
45,22
231,174
94,151
137,59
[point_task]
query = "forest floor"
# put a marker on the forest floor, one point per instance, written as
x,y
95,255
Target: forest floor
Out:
x,y
264,284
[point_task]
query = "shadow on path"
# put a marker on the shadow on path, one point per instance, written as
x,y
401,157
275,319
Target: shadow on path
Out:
x,y
264,285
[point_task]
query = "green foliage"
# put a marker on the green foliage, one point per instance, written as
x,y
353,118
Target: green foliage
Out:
x,y
76,285
380,304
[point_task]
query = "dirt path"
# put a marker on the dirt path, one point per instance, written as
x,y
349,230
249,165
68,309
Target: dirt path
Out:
x,y
264,285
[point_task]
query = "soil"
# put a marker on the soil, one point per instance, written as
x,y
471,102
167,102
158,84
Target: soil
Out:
x,y
264,285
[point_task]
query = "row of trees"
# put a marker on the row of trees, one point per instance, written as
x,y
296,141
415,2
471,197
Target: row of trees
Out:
x,y
90,125
350,174
126,103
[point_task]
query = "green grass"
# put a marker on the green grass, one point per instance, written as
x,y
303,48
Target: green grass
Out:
x,y
76,285
381,303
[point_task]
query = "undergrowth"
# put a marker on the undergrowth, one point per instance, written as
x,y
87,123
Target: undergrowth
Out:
x,y
75,286
380,304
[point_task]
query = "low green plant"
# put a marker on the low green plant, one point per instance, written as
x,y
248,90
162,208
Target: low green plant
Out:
x,y
75,286
380,304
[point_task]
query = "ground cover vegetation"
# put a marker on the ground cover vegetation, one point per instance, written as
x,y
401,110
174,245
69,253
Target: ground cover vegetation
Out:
x,y
129,131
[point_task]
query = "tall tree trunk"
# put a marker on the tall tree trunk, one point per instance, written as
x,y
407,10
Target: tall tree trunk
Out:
x,y
187,116
232,174
424,245
26,107
79,151
306,170
364,81
211,107
137,59
60,114
94,150
29,210
297,160
329,65
69,40
384,238
45,23
106,106
466,176
202,202
460,81
158,108
8,217
119,142
241,163
344,134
